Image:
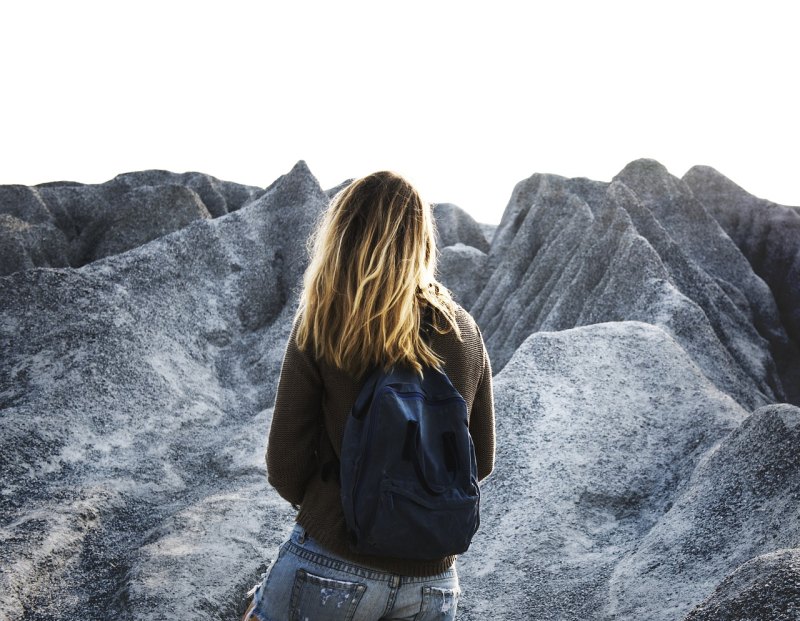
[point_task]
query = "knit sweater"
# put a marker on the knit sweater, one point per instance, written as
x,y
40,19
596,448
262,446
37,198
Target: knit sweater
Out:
x,y
312,404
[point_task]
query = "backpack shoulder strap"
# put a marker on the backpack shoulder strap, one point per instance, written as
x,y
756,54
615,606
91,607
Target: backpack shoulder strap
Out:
x,y
365,394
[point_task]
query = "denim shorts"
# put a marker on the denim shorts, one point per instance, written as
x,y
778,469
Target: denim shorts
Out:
x,y
307,581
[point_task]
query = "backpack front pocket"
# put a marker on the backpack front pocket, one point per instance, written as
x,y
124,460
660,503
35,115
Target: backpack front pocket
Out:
x,y
438,525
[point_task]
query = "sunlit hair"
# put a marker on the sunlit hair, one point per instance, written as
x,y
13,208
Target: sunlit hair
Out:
x,y
371,273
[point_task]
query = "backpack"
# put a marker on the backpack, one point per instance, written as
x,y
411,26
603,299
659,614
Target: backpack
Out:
x,y
408,472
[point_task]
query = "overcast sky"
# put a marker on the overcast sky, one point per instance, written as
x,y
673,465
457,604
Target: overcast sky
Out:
x,y
463,98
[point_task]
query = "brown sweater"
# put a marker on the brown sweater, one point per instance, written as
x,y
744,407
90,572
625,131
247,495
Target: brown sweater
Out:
x,y
311,409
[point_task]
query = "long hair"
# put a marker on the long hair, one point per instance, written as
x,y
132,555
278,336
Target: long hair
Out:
x,y
370,277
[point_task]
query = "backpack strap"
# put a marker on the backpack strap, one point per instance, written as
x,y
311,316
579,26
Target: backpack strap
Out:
x,y
361,405
330,468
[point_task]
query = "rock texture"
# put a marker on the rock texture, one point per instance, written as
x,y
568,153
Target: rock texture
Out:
x,y
740,503
642,342
769,237
463,269
601,461
572,252
454,225
767,587
135,395
61,224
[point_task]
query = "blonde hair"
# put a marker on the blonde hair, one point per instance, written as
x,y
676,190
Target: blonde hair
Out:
x,y
372,270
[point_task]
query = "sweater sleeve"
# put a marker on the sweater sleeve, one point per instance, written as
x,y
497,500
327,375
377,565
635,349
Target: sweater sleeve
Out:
x,y
481,422
296,423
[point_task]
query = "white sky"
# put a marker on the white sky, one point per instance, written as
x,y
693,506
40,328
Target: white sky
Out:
x,y
464,98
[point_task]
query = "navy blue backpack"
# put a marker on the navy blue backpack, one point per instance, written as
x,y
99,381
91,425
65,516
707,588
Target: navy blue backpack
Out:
x,y
408,470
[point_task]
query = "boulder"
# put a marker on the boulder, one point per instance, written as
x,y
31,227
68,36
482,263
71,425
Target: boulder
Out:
x,y
463,270
454,225
766,587
589,460
739,504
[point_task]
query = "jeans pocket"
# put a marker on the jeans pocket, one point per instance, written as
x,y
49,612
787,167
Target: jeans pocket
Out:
x,y
438,603
317,597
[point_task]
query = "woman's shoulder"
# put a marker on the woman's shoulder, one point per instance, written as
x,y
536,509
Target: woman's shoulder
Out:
x,y
469,335
466,322
465,355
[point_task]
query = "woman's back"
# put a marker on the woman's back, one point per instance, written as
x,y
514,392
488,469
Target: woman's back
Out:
x,y
308,385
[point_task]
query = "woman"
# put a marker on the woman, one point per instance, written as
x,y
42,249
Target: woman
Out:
x,y
369,297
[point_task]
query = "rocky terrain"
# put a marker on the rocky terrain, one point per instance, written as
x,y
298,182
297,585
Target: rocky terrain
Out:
x,y
644,339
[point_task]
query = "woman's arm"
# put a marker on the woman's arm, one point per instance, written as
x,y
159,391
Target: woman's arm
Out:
x,y
296,423
481,421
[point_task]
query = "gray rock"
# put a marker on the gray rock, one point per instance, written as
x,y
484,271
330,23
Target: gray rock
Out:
x,y
135,398
331,192
766,587
140,215
24,245
568,263
462,269
523,196
768,235
588,461
688,221
28,235
60,224
23,203
454,225
488,231
219,197
740,503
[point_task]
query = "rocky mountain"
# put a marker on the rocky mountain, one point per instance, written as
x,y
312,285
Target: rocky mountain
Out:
x,y
769,237
66,224
644,343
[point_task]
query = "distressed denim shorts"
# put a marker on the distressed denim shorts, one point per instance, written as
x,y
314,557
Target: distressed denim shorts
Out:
x,y
307,581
